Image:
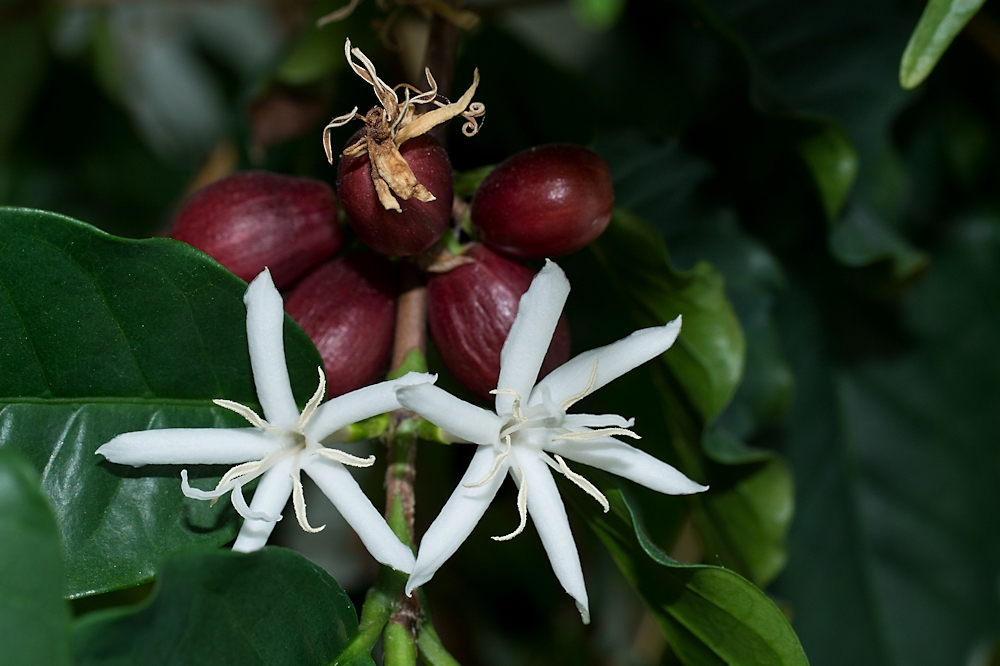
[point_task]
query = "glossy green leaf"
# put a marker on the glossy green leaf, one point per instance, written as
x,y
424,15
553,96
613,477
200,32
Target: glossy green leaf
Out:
x,y
707,358
940,23
34,618
896,463
100,336
272,606
710,615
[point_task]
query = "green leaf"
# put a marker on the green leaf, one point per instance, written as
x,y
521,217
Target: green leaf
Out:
x,y
707,358
34,618
272,606
940,23
833,161
834,64
599,14
100,336
896,465
744,519
710,615
859,239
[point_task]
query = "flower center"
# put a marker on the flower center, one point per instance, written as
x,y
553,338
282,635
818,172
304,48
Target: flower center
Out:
x,y
293,442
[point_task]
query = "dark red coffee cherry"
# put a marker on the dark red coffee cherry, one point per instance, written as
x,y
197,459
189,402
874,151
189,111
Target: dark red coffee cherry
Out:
x,y
471,310
544,202
348,308
257,219
418,224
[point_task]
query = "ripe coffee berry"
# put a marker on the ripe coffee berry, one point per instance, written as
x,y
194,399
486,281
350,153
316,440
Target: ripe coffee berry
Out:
x,y
257,219
471,310
418,224
544,202
348,308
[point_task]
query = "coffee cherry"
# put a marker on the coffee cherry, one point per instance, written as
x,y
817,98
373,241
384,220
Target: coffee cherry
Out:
x,y
544,202
471,310
418,224
348,308
257,219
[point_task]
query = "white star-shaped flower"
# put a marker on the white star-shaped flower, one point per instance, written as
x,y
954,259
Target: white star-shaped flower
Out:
x,y
531,433
279,448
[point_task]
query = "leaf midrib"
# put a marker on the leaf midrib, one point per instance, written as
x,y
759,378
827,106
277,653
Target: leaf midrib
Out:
x,y
107,400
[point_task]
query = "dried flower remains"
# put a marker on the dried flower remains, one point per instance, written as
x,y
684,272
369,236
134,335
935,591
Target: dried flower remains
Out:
x,y
394,122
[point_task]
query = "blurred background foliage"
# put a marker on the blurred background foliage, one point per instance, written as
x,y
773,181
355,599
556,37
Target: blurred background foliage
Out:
x,y
832,237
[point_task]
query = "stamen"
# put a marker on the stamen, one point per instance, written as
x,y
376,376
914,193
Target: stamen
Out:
x,y
386,95
518,414
344,458
588,435
522,508
242,469
339,14
582,482
471,126
237,497
573,399
247,413
493,469
313,401
339,121
299,502
242,508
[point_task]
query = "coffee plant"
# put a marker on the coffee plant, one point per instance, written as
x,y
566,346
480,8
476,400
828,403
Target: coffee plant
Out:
x,y
586,332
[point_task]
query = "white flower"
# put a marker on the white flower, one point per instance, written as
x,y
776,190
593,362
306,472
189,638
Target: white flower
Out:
x,y
279,448
531,433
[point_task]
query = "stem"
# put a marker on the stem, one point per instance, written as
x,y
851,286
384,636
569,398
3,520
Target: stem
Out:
x,y
400,502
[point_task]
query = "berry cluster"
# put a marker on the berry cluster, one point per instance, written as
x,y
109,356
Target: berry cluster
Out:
x,y
395,186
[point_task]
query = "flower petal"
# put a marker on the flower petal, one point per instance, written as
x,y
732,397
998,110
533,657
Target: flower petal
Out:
x,y
189,446
530,335
265,325
613,361
345,493
361,404
628,462
457,417
548,514
269,499
458,517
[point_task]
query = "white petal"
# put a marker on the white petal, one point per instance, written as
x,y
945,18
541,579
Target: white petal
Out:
x,y
614,360
458,517
548,514
530,335
361,404
345,493
457,417
189,446
265,324
270,498
628,462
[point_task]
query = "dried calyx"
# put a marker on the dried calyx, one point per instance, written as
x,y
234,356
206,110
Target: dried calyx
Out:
x,y
389,125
